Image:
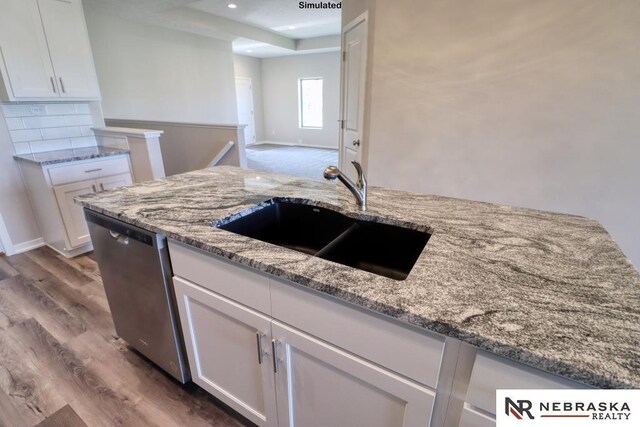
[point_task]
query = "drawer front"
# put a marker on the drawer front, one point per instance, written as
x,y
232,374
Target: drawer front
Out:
x,y
81,171
404,350
471,418
218,275
491,373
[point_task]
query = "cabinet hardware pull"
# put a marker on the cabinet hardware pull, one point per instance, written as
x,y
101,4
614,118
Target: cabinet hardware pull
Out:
x,y
62,85
53,85
93,187
93,170
274,347
356,143
101,186
259,343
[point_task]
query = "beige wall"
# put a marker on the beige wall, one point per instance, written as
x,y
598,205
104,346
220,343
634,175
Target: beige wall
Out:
x,y
14,203
154,73
187,147
246,66
529,103
280,98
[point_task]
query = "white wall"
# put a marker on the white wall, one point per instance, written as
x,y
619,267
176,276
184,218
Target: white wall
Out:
x,y
154,73
14,203
280,98
528,103
246,66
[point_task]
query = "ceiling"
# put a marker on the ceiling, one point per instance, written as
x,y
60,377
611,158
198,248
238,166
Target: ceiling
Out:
x,y
277,15
258,28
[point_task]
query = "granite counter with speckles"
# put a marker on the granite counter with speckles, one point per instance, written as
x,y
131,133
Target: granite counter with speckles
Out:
x,y
549,290
70,155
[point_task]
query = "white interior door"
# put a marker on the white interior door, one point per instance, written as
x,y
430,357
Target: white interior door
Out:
x,y
354,63
244,94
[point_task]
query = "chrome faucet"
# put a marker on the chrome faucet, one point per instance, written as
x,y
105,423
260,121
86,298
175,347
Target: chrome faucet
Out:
x,y
359,189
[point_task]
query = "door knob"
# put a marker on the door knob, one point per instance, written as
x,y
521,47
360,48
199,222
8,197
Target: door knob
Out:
x,y
356,143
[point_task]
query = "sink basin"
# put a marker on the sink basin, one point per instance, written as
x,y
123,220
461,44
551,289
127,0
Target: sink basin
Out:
x,y
382,249
295,226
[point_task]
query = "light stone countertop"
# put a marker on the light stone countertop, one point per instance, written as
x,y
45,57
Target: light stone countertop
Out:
x,y
70,155
549,290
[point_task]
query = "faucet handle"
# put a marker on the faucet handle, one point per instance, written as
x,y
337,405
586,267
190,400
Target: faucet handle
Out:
x,y
362,180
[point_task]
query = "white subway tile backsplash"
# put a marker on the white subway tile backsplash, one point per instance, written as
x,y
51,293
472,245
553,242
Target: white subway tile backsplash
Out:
x,y
64,132
43,122
83,141
86,130
50,145
83,109
79,120
16,110
22,148
61,109
15,123
47,127
25,135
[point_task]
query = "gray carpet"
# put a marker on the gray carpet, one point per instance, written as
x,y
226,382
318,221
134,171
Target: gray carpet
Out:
x,y
300,161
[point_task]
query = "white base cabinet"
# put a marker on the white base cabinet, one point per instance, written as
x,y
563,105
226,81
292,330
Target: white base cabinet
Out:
x,y
320,385
52,189
228,346
275,374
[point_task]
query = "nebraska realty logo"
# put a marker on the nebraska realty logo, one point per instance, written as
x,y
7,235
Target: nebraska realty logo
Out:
x,y
568,408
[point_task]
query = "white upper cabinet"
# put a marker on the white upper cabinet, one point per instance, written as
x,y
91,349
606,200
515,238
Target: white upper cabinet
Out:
x,y
27,71
45,51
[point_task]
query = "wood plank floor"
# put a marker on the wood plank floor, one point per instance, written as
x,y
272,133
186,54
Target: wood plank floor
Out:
x,y
61,363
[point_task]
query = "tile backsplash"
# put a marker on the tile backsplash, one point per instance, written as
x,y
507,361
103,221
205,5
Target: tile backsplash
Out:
x,y
35,128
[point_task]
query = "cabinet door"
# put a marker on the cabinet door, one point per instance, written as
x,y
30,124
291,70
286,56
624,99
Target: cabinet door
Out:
x,y
320,385
114,181
27,70
69,47
72,214
227,345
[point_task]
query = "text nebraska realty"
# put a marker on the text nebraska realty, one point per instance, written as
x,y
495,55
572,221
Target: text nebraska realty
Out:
x,y
319,5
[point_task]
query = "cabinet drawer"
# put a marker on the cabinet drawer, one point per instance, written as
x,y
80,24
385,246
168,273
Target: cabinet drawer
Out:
x,y
471,418
491,373
80,171
404,350
218,275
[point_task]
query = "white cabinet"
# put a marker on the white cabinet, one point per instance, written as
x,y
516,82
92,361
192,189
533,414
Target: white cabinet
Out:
x,y
26,67
114,181
228,349
318,384
313,381
72,214
52,189
45,51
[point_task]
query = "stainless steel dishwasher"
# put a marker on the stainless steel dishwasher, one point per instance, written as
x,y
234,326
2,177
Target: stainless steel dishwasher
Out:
x,y
136,273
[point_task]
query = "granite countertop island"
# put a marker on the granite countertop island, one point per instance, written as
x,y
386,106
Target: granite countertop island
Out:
x,y
549,290
70,155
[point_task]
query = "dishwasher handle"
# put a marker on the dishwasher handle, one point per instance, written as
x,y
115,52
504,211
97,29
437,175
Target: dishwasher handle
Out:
x,y
123,240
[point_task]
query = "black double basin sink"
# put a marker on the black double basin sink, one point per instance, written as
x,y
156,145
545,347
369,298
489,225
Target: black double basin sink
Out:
x,y
378,248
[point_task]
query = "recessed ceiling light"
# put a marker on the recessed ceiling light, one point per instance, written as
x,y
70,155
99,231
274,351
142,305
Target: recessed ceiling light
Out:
x,y
232,6
249,51
292,27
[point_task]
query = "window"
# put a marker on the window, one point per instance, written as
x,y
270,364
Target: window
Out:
x,y
310,100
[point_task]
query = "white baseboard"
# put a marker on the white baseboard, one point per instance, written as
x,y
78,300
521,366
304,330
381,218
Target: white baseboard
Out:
x,y
27,246
292,144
